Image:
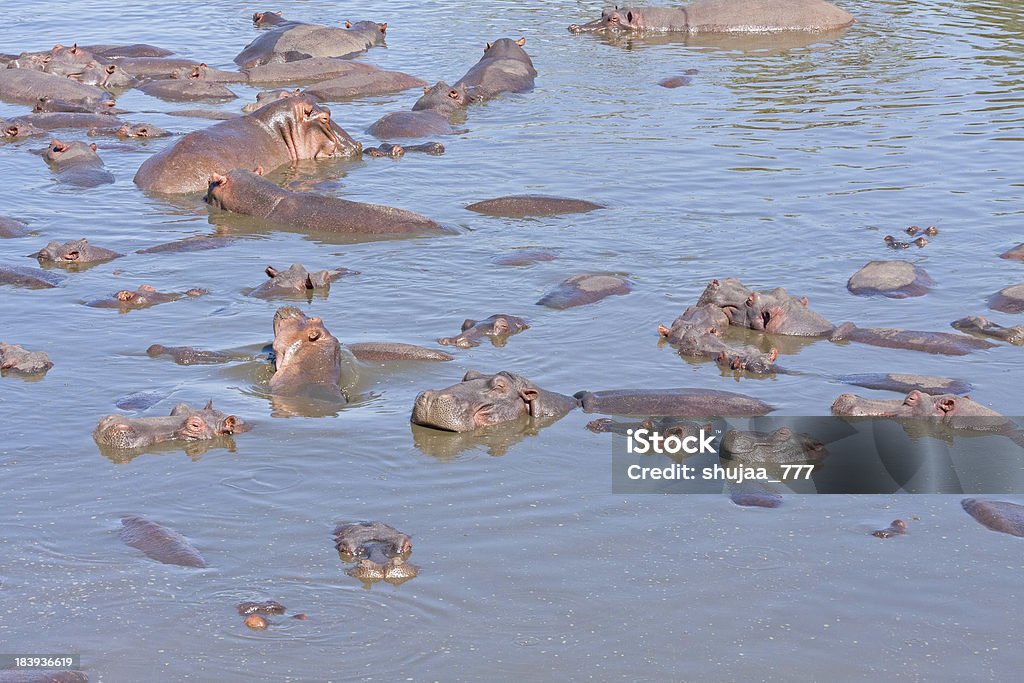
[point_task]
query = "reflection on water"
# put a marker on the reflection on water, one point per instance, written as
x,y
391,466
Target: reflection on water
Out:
x,y
780,164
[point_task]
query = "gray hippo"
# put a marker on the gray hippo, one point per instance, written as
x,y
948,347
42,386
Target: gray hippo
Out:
x,y
774,311
75,252
26,86
431,114
291,41
77,164
723,16
159,543
143,297
297,280
498,327
183,424
282,132
697,334
16,360
378,549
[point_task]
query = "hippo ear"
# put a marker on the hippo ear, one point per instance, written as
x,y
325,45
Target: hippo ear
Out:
x,y
93,146
348,24
501,326
209,405
468,324
472,374
947,405
487,47
383,28
521,41
426,89
217,179
258,170
271,271
230,422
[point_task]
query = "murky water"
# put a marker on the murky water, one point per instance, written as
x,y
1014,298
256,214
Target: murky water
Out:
x,y
783,165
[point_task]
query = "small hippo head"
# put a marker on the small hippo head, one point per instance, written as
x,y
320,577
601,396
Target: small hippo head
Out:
x,y
612,19
140,130
67,252
506,48
482,400
18,129
267,19
307,130
59,152
379,31
443,98
915,404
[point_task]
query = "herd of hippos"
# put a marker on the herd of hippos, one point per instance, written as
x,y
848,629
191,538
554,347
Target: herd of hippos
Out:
x,y
71,88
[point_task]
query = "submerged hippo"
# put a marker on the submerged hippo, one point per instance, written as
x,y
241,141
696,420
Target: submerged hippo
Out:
x,y
683,402
248,193
190,244
697,334
997,515
774,311
74,252
505,67
363,83
16,360
894,279
781,446
977,324
282,132
310,70
32,278
297,280
26,86
308,360
912,340
9,227
188,90
897,528
723,16
291,41
904,383
431,114
379,551
1008,300
482,400
498,327
585,288
383,352
188,355
143,297
183,424
38,124
160,543
77,164
520,206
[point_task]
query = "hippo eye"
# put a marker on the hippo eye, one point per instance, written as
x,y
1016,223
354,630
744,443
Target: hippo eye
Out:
x,y
194,424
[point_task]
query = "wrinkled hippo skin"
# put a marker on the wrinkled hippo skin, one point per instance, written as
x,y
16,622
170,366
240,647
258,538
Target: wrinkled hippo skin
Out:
x,y
74,252
1008,300
1007,518
10,227
723,16
77,164
781,446
505,67
930,342
160,543
483,400
977,324
26,86
379,550
524,257
671,402
32,278
143,297
383,352
585,288
774,311
308,360
297,280
15,360
282,132
903,383
189,244
697,334
183,424
292,41
248,193
521,206
894,279
188,355
498,327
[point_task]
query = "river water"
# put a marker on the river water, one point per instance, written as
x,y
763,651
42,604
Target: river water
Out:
x,y
780,164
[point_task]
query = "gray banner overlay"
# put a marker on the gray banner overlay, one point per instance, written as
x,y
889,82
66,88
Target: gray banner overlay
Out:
x,y
818,455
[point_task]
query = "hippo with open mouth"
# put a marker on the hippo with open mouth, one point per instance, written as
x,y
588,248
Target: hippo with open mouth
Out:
x,y
723,16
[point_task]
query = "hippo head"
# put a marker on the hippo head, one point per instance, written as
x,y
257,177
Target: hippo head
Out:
x,y
267,19
307,129
215,423
613,19
378,31
506,48
68,252
184,424
482,400
915,404
140,130
18,130
301,342
59,152
443,98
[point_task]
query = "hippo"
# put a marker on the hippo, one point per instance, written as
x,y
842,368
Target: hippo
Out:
x,y
16,360
483,400
723,16
774,311
379,550
265,97
132,50
310,70
997,515
498,327
158,68
188,90
297,280
505,67
209,114
897,528
753,494
683,402
36,124
143,297
894,243
363,83
139,130
271,607
51,105
678,81
308,360
977,324
665,426
431,114
398,151
249,193
10,227
930,342
160,543
32,278
780,446
75,252
18,128
26,86
893,279
697,334
266,19
585,288
281,132
189,244
188,355
77,164
521,206
183,424
1008,300
913,230
524,257
904,383
291,41
1015,254
383,352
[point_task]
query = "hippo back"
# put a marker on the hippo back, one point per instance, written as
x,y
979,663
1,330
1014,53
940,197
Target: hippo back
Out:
x,y
724,16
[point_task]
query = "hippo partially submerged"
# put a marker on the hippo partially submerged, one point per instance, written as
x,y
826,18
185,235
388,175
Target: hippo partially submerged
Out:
x,y
16,360
75,252
997,515
774,311
697,334
379,551
520,206
143,297
183,424
160,543
498,327
296,280
913,340
780,446
309,361
585,288
282,132
76,163
977,324
723,16
291,41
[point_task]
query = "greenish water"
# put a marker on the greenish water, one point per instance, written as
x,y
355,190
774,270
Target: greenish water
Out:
x,y
783,165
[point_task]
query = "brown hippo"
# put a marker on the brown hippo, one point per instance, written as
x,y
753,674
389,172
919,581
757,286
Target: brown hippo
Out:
x,y
723,16
15,360
143,297
308,360
697,334
781,446
297,280
140,130
281,132
190,244
183,424
524,257
521,206
398,151
32,278
384,352
431,114
894,279
498,327
1008,300
684,402
897,528
774,311
310,70
77,164
188,355
37,124
188,90
9,227
265,97
363,84
505,67
483,400
160,543
47,104
997,515
26,86
913,340
894,243
291,41
248,193
132,50
158,68
1015,254
379,551
977,324
904,383
585,288
74,253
